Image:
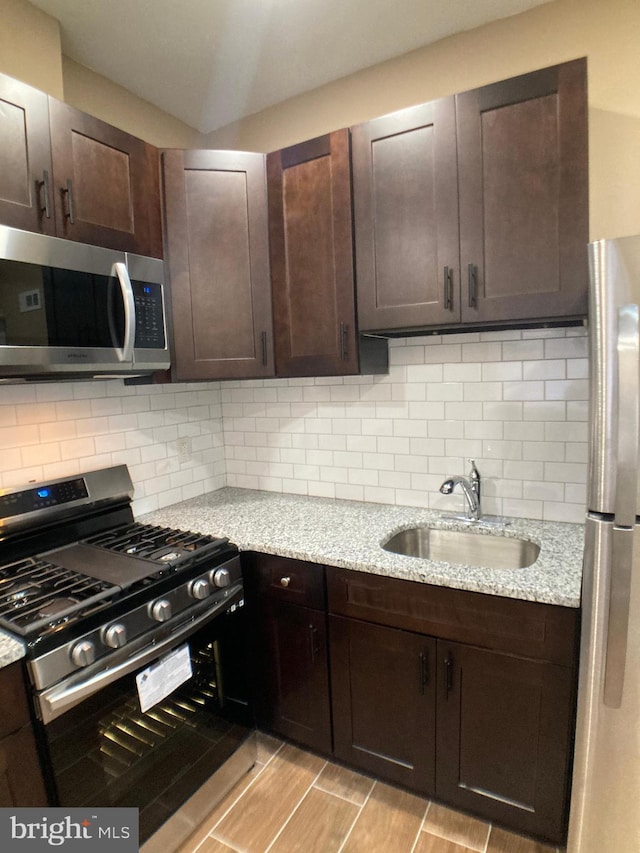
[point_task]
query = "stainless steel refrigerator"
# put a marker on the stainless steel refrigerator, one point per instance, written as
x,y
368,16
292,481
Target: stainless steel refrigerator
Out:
x,y
605,800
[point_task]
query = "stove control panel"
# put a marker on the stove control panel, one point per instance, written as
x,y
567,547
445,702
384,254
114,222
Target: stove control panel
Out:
x,y
142,623
41,497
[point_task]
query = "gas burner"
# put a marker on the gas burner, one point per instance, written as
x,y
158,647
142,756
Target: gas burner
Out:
x,y
20,594
43,591
56,607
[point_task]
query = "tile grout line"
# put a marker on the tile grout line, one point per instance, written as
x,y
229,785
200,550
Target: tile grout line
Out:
x,y
420,828
486,843
356,818
295,808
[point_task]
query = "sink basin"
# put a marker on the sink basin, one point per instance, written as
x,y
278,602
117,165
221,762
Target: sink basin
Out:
x,y
458,546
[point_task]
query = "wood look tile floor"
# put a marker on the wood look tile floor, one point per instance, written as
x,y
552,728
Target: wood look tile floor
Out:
x,y
296,802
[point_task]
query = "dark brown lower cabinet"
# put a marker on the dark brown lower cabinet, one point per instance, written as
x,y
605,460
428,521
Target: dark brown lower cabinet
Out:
x,y
21,782
290,653
296,702
503,746
384,701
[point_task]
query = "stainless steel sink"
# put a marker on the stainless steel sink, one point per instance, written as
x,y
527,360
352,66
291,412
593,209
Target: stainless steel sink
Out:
x,y
458,546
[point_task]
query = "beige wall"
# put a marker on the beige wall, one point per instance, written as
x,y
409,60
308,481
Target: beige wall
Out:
x,y
30,51
92,93
608,33
30,46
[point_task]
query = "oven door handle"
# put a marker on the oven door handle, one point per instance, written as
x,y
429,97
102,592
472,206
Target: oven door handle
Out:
x,y
62,697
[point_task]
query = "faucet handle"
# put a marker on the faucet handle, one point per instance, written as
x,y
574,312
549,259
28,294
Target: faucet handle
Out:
x,y
474,476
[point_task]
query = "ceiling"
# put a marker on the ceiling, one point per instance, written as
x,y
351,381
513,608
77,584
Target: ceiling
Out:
x,y
212,62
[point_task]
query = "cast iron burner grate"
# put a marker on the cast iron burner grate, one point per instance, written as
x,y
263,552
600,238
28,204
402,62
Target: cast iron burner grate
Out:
x,y
162,545
34,593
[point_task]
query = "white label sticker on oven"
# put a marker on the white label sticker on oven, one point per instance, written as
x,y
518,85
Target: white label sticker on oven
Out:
x,y
160,679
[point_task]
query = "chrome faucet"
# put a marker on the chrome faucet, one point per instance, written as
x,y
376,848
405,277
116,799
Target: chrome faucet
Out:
x,y
471,489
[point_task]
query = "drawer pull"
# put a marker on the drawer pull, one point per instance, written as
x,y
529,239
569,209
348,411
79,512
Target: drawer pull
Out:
x,y
285,582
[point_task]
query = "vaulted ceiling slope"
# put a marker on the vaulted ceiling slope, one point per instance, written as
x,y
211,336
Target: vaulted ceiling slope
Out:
x,y
212,62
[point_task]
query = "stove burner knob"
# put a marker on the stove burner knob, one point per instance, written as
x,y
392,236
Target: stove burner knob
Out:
x,y
220,577
160,610
199,588
83,653
115,636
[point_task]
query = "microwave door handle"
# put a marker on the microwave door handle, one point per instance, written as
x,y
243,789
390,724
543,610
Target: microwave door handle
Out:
x,y
627,454
122,274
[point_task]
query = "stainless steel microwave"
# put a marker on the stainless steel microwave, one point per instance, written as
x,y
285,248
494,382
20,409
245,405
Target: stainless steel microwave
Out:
x,y
70,310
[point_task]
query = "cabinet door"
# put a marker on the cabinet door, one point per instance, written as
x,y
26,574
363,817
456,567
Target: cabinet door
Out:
x,y
215,205
25,158
21,782
383,698
295,701
311,257
106,183
504,732
523,184
405,188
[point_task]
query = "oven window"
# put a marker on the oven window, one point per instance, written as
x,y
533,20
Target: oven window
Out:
x,y
106,752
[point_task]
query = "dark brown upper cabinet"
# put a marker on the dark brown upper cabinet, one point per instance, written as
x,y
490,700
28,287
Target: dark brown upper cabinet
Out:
x,y
310,237
523,183
515,168
70,175
25,158
105,183
215,207
406,217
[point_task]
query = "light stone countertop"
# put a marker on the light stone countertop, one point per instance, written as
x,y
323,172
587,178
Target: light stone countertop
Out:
x,y
348,534
11,649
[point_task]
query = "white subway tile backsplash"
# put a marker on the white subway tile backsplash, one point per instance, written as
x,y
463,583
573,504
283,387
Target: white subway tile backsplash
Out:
x,y
516,401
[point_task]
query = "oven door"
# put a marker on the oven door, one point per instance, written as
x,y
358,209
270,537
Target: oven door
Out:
x,y
104,751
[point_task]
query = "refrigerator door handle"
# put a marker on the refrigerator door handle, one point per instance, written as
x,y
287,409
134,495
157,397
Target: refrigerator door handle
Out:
x,y
628,353
618,621
628,427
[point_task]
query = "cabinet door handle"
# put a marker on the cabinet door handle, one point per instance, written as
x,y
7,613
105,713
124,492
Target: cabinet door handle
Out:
x,y
263,340
472,272
285,582
43,187
423,659
448,673
70,214
344,338
313,639
448,289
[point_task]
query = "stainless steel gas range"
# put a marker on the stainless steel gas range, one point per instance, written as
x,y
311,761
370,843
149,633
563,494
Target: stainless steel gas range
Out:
x,y
136,651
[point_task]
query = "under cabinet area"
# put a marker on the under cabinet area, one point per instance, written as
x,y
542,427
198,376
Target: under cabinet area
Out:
x,y
461,696
473,210
67,174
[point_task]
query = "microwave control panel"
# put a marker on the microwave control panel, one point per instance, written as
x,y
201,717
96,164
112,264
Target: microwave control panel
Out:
x,y
147,298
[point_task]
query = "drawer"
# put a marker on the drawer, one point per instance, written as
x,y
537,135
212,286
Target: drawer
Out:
x,y
285,579
541,631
